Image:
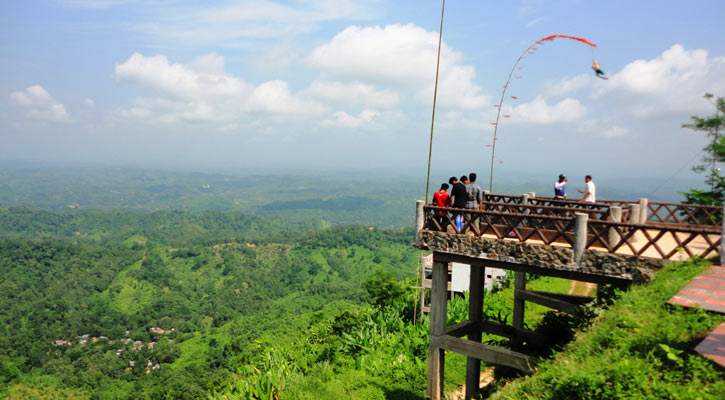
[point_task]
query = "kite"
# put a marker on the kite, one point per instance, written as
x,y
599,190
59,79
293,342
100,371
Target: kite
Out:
x,y
598,70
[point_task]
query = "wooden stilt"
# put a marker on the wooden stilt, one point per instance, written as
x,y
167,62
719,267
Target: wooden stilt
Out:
x,y
519,302
475,315
438,311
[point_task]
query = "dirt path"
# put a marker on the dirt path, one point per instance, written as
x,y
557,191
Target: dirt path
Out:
x,y
581,288
460,392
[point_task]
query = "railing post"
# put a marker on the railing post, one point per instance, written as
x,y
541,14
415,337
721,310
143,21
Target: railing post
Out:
x,y
475,313
525,199
643,210
532,195
634,214
615,215
419,219
580,235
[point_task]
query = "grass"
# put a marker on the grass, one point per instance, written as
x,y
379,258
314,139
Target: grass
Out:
x,y
640,348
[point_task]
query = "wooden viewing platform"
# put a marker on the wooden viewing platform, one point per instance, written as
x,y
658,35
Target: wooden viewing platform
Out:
x,y
609,242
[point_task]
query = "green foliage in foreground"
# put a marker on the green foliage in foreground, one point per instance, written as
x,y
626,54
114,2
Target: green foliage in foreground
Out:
x,y
641,348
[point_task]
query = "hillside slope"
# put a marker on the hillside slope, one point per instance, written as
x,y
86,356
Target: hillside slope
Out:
x,y
639,348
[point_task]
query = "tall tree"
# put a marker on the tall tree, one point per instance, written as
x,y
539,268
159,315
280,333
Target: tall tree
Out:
x,y
713,126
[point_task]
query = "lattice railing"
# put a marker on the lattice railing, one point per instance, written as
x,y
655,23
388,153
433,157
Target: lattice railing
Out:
x,y
691,214
554,226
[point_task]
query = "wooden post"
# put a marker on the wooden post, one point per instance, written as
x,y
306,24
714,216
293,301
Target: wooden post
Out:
x,y
475,313
438,311
615,215
580,235
419,218
519,303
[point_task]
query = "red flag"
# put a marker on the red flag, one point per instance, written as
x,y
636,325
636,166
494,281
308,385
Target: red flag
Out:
x,y
493,123
507,116
514,97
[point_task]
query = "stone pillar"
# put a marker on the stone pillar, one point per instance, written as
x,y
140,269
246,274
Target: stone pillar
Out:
x,y
438,311
634,214
475,313
643,210
419,219
615,215
580,235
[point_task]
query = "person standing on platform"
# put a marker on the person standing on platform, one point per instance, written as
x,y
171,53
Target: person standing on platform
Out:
x,y
474,193
590,196
560,187
441,198
459,198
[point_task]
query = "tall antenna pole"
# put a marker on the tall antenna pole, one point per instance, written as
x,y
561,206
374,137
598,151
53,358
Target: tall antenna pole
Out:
x,y
435,95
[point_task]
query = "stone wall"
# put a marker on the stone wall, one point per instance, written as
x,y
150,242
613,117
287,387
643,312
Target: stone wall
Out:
x,y
593,262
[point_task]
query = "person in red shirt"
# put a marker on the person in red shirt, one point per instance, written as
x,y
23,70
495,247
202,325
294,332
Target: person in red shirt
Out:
x,y
441,198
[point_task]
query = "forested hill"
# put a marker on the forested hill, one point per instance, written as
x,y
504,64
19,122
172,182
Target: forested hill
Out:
x,y
110,304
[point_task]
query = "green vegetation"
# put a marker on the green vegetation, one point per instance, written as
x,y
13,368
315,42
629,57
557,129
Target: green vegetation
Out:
x,y
170,304
714,154
640,348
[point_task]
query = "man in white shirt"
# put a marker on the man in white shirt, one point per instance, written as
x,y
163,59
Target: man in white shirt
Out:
x,y
590,196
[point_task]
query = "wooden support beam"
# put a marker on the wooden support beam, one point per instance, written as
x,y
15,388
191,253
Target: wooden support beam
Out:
x,y
510,332
571,298
475,315
532,269
463,328
488,353
519,302
546,300
438,306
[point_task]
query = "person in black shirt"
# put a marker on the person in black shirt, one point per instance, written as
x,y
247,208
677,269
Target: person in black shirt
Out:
x,y
460,198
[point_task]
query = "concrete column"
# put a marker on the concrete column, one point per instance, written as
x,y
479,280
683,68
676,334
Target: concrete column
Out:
x,y
475,313
532,195
419,219
643,210
580,235
438,311
615,215
634,214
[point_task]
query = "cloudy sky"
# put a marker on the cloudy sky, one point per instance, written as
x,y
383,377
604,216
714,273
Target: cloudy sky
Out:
x,y
348,84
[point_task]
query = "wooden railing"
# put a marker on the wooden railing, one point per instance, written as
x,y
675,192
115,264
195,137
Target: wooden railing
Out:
x,y
657,212
555,226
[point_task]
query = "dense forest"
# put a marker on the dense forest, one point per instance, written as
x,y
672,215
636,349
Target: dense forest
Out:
x,y
124,305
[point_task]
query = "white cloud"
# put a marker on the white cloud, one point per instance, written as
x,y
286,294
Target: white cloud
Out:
x,y
534,21
400,56
670,84
40,104
237,23
185,82
202,91
540,112
275,97
89,102
616,131
353,93
342,119
569,85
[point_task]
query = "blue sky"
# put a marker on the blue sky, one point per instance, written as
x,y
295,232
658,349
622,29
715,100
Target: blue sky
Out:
x,y
347,84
